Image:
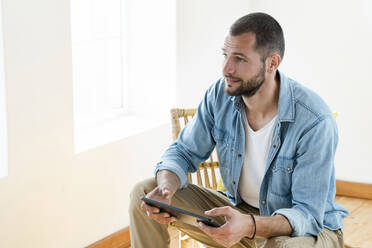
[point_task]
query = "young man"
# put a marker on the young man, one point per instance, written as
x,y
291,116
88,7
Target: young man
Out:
x,y
276,142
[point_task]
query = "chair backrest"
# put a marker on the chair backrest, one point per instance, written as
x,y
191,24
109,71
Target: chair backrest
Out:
x,y
208,168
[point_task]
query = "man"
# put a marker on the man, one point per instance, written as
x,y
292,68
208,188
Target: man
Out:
x,y
276,142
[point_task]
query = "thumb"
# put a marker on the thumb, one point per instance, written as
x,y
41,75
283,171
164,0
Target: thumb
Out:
x,y
166,193
222,211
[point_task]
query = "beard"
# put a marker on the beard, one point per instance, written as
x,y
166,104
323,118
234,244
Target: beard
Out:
x,y
246,88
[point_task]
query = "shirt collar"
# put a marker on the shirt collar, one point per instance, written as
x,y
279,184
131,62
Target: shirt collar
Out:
x,y
286,100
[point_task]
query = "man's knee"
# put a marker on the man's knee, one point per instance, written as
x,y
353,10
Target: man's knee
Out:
x,y
140,189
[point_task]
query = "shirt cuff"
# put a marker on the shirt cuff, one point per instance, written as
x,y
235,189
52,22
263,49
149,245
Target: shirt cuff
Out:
x,y
295,218
175,169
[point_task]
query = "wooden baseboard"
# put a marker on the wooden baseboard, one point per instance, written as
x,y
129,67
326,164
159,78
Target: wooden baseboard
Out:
x,y
354,189
120,239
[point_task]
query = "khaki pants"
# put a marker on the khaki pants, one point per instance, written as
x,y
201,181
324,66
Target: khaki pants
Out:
x,y
146,233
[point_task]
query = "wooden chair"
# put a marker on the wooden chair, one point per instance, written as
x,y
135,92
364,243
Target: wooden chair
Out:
x,y
208,172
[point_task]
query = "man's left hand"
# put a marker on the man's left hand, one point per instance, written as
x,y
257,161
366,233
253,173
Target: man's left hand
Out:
x,y
237,226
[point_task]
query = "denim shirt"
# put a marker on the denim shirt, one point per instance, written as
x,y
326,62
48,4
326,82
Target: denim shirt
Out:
x,y
299,182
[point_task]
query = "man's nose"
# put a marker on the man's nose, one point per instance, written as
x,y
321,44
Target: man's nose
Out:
x,y
228,67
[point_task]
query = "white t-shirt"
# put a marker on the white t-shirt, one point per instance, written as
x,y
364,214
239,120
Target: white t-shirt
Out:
x,y
257,146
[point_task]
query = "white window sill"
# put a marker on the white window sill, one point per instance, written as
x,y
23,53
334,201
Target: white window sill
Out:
x,y
107,132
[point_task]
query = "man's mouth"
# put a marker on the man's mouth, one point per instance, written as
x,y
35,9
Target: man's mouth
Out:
x,y
231,81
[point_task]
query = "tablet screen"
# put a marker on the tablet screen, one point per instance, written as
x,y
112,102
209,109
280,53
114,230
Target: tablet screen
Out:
x,y
181,214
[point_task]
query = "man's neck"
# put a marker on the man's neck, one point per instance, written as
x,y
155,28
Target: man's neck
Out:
x,y
263,106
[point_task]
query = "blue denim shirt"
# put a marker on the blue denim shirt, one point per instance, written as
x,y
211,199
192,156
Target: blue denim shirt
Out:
x,y
299,181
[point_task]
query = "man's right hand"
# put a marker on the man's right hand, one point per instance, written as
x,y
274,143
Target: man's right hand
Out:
x,y
161,193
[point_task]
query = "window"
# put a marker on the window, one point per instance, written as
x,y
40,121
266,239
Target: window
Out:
x,y
3,126
123,67
97,49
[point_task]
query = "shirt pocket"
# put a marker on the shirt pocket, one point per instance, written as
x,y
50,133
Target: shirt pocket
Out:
x,y
223,145
281,177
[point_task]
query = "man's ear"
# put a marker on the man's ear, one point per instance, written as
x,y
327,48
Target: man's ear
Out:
x,y
273,62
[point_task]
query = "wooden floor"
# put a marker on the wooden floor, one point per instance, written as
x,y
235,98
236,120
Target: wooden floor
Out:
x,y
358,227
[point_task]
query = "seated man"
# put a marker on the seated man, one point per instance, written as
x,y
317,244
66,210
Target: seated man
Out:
x,y
276,142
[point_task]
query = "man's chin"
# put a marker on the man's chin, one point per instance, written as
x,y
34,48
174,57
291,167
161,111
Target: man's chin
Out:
x,y
231,92
239,92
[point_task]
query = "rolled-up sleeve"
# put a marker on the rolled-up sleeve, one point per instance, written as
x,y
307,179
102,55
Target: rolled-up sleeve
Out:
x,y
195,142
312,178
175,168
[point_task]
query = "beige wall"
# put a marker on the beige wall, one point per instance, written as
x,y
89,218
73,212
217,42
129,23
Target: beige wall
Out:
x,y
52,197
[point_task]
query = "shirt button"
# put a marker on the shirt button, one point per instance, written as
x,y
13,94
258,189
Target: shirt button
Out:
x,y
234,182
274,146
239,155
289,169
263,202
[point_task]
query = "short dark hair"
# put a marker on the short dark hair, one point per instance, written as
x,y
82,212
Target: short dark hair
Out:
x,y
269,33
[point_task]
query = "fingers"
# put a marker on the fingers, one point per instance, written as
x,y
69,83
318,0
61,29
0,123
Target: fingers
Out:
x,y
222,235
213,231
160,193
155,214
166,193
217,234
228,234
207,229
149,208
222,211
162,218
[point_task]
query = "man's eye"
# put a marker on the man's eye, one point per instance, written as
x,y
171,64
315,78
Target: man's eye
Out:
x,y
240,59
224,55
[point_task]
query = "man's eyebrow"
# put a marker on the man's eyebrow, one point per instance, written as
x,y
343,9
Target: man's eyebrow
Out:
x,y
236,53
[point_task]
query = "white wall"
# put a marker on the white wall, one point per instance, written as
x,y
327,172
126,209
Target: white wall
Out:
x,y
53,198
327,49
201,30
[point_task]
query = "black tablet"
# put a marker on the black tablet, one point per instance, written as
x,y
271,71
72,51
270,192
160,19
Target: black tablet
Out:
x,y
181,214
